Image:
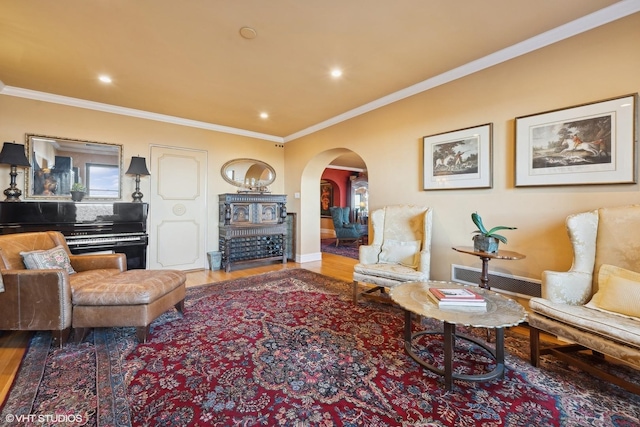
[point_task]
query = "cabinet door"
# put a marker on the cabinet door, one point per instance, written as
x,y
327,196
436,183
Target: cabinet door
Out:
x,y
268,213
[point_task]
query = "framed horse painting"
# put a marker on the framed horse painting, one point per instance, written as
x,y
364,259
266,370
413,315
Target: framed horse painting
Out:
x,y
458,159
585,144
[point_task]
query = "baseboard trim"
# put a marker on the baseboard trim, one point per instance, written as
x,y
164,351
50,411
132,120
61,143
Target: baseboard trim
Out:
x,y
302,258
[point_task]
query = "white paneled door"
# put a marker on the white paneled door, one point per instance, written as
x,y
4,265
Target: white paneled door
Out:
x,y
177,209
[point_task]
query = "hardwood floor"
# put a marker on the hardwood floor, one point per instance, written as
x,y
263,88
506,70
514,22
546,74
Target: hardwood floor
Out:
x,y
12,347
13,344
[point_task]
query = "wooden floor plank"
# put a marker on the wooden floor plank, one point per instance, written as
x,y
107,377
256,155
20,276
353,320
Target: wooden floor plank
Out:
x,y
13,345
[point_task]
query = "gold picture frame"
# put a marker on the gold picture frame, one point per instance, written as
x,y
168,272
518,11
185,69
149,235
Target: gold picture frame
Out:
x,y
585,144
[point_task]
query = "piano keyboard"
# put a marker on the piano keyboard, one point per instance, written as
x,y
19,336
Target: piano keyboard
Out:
x,y
106,240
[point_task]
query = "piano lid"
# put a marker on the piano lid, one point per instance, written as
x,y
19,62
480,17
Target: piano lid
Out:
x,y
44,213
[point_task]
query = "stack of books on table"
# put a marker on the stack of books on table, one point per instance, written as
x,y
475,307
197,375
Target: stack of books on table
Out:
x,y
462,298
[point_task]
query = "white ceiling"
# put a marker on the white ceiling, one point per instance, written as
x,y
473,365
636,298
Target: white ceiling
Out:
x,y
186,61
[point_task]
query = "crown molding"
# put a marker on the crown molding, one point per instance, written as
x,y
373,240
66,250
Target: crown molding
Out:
x,y
588,22
601,17
107,108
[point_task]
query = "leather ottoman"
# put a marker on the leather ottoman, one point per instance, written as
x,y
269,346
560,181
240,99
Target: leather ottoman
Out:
x,y
131,298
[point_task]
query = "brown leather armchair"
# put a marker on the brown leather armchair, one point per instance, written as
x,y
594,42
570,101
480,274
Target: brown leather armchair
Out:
x,y
37,300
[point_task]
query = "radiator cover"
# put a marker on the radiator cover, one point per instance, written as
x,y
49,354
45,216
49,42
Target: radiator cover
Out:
x,y
514,285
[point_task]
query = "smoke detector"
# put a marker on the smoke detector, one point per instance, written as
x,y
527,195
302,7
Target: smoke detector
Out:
x,y
248,33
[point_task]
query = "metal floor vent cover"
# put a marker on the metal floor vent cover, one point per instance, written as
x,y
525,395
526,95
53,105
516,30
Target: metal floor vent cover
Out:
x,y
521,286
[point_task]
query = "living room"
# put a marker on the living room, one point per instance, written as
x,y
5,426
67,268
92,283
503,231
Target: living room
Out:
x,y
389,139
588,67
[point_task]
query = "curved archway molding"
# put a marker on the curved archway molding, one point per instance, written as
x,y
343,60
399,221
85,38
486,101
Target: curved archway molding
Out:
x,y
308,238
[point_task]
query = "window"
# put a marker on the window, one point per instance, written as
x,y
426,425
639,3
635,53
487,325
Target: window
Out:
x,y
103,180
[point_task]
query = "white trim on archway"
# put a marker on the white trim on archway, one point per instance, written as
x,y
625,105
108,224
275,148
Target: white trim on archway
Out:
x,y
308,236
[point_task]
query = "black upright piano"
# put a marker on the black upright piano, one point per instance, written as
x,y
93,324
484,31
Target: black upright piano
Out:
x,y
120,227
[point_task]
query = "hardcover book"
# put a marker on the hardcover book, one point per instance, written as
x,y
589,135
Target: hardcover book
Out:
x,y
455,294
454,298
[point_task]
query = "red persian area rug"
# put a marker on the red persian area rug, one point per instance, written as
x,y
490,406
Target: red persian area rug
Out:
x,y
348,249
289,348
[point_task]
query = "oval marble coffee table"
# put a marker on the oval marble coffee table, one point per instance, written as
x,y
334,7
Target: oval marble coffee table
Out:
x,y
501,312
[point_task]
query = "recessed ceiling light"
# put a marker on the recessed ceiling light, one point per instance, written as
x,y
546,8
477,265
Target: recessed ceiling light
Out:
x,y
336,73
264,115
104,79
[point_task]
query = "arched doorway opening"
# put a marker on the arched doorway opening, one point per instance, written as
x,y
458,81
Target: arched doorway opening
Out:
x,y
343,186
311,222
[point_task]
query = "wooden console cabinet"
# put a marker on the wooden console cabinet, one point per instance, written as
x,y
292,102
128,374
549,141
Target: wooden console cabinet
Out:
x,y
252,228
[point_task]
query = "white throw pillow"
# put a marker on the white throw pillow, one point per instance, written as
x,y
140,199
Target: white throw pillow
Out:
x,y
399,252
618,291
47,259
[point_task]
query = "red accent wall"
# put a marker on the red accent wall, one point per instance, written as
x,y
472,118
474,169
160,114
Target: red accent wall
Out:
x,y
340,181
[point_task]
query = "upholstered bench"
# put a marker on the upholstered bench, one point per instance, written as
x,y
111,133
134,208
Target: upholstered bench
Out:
x,y
131,298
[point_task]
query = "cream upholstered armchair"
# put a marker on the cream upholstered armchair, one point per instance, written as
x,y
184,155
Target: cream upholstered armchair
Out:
x,y
399,252
596,304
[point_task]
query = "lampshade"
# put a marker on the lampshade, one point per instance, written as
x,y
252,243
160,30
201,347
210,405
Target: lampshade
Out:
x,y
13,154
138,166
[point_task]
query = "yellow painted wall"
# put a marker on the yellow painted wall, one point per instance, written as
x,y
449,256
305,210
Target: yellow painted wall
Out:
x,y
20,116
600,64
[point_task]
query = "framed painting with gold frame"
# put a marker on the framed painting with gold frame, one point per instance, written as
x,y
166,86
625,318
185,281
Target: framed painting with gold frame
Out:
x,y
585,144
458,159
326,198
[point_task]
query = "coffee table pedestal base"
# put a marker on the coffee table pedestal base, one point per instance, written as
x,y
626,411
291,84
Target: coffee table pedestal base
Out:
x,y
449,335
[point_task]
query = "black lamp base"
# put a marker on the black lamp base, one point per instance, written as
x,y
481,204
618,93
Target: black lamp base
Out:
x,y
137,196
13,193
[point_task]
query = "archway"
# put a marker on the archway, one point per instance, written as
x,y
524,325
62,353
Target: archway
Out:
x,y
309,220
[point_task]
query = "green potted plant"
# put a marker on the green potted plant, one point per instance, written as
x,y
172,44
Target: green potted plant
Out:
x,y
487,240
77,192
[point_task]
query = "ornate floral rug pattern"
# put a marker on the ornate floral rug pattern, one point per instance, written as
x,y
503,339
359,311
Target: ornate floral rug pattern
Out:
x,y
289,348
348,249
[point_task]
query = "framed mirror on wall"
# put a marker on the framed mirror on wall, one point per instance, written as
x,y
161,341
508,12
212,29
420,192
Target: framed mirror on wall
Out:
x,y
60,165
249,174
